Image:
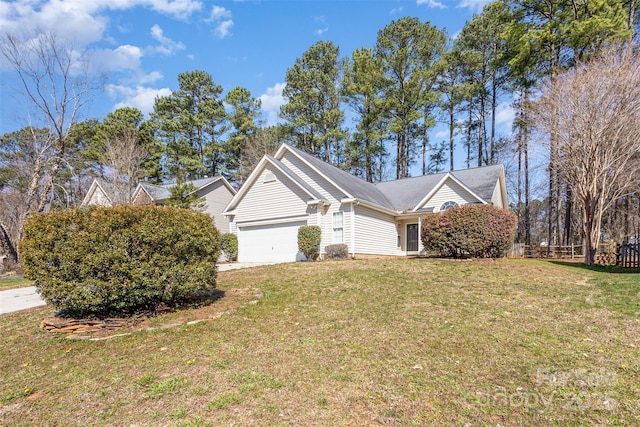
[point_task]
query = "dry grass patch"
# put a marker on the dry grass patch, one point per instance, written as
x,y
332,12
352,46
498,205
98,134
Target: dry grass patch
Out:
x,y
374,342
12,282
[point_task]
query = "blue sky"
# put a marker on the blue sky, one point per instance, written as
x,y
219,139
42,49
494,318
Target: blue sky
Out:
x,y
145,44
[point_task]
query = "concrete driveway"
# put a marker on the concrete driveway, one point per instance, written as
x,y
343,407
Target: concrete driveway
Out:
x,y
19,299
23,298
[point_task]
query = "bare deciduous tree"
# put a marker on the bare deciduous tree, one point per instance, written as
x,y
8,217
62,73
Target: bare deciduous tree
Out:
x,y
124,155
54,83
595,125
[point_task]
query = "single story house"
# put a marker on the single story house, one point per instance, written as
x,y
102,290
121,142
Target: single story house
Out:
x,y
294,188
216,192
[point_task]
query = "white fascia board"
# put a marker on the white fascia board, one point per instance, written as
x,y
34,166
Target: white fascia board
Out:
x,y
480,199
250,180
439,185
92,189
358,202
254,176
284,147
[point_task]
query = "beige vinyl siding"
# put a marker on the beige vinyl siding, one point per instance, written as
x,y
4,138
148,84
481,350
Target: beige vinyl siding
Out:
x,y
311,177
217,197
376,233
450,190
330,194
327,225
279,198
98,198
496,198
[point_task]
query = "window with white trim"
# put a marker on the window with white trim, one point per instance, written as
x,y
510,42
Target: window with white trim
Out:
x,y
338,227
448,205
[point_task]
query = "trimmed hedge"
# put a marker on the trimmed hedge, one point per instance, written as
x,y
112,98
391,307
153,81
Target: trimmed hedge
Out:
x,y
336,251
229,246
469,231
309,237
120,260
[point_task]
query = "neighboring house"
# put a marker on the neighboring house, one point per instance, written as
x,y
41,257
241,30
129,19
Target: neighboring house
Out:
x,y
103,193
216,192
294,188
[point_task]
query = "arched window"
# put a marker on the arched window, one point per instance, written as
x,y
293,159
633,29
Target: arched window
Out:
x,y
448,205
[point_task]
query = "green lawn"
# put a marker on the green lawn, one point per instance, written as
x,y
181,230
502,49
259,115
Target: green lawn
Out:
x,y
10,282
353,343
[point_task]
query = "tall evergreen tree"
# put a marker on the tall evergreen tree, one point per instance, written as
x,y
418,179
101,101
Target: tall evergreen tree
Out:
x,y
407,49
487,70
364,81
312,111
243,114
190,123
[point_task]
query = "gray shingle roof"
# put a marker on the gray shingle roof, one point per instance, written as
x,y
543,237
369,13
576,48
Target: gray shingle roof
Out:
x,y
353,185
161,192
481,181
408,192
405,194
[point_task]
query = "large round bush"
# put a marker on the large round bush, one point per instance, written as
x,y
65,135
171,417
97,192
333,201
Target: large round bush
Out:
x,y
476,231
119,260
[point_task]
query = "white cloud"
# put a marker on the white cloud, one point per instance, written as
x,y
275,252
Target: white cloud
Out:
x,y
505,114
219,13
321,31
167,47
125,57
396,10
431,3
441,134
474,5
181,9
139,97
149,78
83,20
271,102
223,29
221,17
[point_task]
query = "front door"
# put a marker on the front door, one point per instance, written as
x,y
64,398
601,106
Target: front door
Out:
x,y
412,237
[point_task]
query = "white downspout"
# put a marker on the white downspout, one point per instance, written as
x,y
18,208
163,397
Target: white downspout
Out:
x,y
419,234
353,229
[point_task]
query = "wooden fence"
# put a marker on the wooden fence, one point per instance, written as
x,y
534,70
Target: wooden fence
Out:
x,y
628,255
520,250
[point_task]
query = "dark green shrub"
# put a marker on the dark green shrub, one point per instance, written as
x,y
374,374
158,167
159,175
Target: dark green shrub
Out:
x,y
475,231
120,260
229,246
336,251
309,237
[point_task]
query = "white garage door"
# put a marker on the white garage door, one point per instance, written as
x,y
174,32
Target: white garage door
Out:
x,y
269,243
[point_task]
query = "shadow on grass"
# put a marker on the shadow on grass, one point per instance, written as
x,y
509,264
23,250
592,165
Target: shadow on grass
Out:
x,y
613,269
197,300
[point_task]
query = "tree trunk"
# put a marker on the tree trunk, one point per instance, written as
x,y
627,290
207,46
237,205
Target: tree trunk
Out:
x,y
451,131
527,194
7,244
567,234
469,137
493,148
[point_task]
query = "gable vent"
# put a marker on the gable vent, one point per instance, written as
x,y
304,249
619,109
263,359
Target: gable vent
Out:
x,y
268,177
